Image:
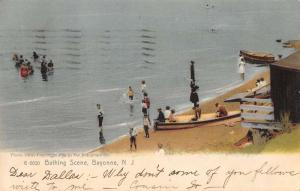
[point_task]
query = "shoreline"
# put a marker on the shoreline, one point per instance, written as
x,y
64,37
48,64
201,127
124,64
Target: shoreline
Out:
x,y
121,144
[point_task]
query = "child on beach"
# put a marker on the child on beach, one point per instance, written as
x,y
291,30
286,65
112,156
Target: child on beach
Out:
x,y
147,124
132,137
221,110
161,151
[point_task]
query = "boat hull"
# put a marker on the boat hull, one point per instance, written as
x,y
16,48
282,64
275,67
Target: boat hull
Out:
x,y
257,57
192,124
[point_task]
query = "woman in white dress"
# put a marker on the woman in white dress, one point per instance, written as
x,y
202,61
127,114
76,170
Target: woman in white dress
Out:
x,y
241,67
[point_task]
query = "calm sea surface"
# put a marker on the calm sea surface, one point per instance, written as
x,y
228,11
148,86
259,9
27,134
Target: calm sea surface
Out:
x,y
101,47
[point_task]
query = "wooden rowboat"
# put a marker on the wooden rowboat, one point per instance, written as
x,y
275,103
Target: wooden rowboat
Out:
x,y
257,57
184,121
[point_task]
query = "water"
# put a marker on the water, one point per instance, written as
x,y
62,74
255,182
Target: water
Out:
x,y
101,47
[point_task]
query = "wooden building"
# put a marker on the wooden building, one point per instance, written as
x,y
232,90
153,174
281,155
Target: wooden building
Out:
x,y
285,87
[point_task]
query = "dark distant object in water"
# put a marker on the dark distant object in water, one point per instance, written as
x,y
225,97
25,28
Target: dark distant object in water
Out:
x,y
72,30
107,31
40,42
209,6
146,48
148,62
148,42
254,57
147,36
146,30
278,40
40,30
149,55
212,30
279,56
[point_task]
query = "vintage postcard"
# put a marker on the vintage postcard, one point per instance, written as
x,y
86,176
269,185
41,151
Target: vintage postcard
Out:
x,y
149,95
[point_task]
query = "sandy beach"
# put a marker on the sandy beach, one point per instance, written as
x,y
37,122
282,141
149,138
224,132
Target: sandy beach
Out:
x,y
215,137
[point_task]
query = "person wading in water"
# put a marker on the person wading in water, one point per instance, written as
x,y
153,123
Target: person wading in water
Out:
x,y
130,93
100,120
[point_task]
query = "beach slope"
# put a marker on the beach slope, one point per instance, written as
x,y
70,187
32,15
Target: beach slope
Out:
x,y
215,137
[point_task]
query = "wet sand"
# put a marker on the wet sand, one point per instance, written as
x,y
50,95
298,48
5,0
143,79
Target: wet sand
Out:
x,y
215,137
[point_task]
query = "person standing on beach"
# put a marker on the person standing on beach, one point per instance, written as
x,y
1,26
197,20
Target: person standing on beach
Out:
x,y
197,111
147,124
241,68
147,102
144,108
100,121
132,137
130,93
194,95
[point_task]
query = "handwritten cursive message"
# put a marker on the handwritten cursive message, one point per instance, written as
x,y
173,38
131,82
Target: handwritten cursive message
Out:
x,y
80,173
